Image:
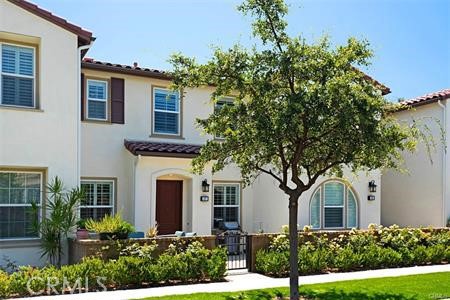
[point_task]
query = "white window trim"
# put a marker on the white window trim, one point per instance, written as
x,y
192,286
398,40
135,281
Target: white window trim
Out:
x,y
166,111
344,207
349,190
19,75
97,99
319,190
238,185
41,204
113,193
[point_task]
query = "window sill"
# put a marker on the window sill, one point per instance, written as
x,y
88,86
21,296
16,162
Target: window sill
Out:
x,y
334,229
19,108
20,243
106,122
166,136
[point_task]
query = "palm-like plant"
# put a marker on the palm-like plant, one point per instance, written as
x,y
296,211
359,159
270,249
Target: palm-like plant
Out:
x,y
58,220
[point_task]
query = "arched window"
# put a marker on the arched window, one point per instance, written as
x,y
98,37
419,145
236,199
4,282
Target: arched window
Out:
x,y
333,206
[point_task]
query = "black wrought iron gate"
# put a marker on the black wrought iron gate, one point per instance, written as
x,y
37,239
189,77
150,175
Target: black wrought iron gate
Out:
x,y
237,249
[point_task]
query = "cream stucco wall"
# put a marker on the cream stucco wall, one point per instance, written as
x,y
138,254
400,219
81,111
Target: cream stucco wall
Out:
x,y
102,144
104,155
263,206
44,138
415,198
197,215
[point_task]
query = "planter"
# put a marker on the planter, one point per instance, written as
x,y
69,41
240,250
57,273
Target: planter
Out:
x,y
104,236
82,234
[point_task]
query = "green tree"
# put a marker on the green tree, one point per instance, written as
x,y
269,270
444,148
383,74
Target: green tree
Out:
x,y
59,221
301,111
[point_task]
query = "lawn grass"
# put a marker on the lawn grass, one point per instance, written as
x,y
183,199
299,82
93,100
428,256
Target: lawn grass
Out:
x,y
413,287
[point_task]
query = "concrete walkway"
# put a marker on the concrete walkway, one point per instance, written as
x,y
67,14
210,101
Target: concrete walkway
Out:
x,y
245,281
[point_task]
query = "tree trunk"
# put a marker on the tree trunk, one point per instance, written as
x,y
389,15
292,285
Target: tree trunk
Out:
x,y
293,248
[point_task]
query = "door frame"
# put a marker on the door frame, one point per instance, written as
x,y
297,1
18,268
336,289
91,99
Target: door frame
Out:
x,y
146,216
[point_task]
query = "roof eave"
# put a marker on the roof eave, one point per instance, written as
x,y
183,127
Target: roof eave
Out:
x,y
407,106
165,154
121,70
84,37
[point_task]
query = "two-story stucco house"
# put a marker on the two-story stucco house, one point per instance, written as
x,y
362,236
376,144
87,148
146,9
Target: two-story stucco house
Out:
x,y
421,196
120,133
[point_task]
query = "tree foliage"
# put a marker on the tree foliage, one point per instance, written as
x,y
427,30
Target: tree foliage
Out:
x,y
302,110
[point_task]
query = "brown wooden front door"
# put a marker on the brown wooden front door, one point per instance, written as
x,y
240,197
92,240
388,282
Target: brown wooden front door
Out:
x,y
169,205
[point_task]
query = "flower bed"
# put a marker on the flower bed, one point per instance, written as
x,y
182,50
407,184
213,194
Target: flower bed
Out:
x,y
136,266
378,247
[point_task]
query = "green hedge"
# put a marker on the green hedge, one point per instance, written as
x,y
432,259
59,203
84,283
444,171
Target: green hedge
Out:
x,y
378,247
136,266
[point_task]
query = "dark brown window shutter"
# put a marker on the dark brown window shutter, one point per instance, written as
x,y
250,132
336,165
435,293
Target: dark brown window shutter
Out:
x,y
83,93
117,100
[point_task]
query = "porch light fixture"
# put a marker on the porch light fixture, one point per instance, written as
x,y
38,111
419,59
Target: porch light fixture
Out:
x,y
205,186
372,186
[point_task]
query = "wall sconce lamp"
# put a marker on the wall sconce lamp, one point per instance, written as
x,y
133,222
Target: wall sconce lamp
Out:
x,y
205,186
372,186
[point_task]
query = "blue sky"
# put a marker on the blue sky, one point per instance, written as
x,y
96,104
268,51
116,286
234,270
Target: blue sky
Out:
x,y
411,38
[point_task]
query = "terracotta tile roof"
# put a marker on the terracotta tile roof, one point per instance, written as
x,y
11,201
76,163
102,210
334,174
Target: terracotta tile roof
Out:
x,y
428,98
84,37
384,89
147,148
90,63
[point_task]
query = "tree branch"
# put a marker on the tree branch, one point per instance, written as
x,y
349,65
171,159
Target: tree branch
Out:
x,y
281,185
278,43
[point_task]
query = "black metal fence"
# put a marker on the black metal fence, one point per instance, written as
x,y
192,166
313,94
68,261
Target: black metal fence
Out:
x,y
237,249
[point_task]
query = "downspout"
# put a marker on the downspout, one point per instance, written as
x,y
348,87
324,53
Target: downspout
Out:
x,y
80,49
444,163
136,162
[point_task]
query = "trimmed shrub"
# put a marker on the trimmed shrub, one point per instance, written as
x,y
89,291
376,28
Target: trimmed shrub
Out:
x,y
136,266
4,284
217,264
378,247
272,263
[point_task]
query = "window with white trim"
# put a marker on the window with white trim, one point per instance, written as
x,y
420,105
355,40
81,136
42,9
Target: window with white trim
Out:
x,y
99,199
17,75
226,203
97,100
166,112
224,101
18,190
333,206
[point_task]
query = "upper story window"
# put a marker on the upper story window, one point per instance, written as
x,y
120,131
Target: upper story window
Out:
x,y
166,112
18,76
333,206
224,101
97,100
18,190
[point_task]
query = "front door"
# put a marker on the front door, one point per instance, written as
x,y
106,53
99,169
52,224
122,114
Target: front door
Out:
x,y
169,205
